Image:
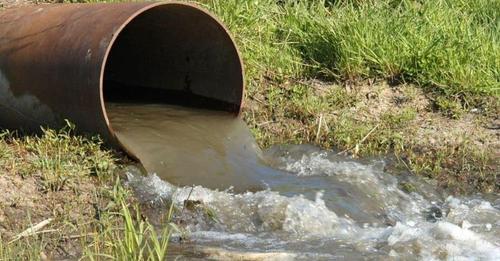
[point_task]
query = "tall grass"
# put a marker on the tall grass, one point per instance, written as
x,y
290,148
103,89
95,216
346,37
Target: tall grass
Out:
x,y
120,233
134,239
450,47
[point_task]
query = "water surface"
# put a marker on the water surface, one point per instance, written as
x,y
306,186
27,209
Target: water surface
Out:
x,y
187,146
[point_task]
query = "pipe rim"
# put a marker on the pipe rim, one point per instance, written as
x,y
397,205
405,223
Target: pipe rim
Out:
x,y
125,24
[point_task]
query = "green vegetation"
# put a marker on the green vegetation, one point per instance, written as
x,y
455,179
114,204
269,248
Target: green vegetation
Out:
x,y
133,239
448,47
71,184
61,158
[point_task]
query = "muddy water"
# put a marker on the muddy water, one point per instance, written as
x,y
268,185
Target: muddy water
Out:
x,y
187,146
317,205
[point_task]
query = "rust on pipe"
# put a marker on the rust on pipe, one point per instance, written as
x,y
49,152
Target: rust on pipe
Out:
x,y
64,61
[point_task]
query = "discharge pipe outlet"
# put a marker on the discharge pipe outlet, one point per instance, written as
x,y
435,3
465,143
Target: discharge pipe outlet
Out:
x,y
65,61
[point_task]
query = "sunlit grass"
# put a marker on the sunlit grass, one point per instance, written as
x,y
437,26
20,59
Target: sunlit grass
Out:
x,y
60,158
449,47
133,239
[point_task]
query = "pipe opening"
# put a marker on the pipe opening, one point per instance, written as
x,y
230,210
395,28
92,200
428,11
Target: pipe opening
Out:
x,y
176,54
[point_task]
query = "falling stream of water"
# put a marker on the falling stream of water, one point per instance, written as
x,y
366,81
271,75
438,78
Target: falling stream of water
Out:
x,y
187,146
305,203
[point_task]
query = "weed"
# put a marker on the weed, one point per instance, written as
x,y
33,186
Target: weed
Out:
x,y
449,107
118,233
136,240
446,47
59,157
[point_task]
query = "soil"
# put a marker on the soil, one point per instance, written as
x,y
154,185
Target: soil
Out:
x,y
23,205
432,127
15,3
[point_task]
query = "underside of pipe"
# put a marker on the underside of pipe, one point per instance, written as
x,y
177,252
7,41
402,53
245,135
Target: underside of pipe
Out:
x,y
67,61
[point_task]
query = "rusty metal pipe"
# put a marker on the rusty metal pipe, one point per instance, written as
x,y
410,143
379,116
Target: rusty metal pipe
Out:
x,y
65,61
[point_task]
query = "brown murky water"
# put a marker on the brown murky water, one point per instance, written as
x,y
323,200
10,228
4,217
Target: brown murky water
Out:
x,y
187,146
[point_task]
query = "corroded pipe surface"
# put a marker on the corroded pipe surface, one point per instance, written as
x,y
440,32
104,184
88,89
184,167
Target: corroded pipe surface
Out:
x,y
66,61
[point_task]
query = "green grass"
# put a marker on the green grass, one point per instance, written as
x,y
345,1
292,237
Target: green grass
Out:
x,y
61,157
133,239
448,47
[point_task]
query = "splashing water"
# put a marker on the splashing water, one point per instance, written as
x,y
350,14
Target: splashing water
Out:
x,y
325,206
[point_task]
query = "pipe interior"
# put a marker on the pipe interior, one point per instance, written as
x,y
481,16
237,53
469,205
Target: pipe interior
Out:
x,y
175,54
